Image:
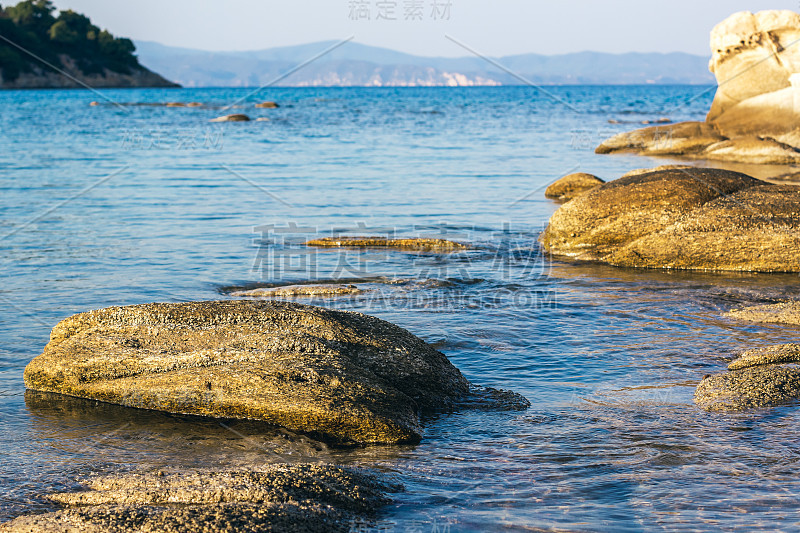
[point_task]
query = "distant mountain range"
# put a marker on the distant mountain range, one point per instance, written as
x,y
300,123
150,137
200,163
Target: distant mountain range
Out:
x,y
354,64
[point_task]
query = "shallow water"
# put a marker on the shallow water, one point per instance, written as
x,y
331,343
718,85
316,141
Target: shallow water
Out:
x,y
115,205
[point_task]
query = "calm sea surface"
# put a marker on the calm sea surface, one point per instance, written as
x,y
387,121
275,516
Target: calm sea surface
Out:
x,y
124,204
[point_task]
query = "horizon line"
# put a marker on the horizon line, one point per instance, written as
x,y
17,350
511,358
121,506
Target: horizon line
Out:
x,y
327,41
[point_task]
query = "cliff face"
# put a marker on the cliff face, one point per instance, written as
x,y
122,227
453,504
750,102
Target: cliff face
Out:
x,y
43,77
753,55
755,116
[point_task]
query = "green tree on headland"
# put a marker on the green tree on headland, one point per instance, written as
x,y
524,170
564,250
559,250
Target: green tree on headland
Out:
x,y
31,25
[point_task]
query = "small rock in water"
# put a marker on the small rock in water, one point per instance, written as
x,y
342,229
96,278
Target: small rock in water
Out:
x,y
782,313
279,498
382,242
300,290
570,186
781,353
749,388
237,117
267,105
194,104
175,104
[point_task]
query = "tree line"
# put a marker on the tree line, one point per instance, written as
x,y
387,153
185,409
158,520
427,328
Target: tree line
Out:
x,y
33,26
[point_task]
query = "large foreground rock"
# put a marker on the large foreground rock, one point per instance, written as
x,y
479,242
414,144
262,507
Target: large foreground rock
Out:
x,y
755,116
341,376
758,378
683,218
281,498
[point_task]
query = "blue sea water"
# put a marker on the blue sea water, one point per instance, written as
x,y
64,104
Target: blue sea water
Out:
x,y
119,204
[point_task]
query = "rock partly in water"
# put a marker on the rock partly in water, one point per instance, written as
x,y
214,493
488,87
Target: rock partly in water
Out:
x,y
749,388
299,290
281,497
756,111
194,104
757,378
688,139
782,313
267,105
756,150
781,353
383,242
238,117
687,218
339,376
570,186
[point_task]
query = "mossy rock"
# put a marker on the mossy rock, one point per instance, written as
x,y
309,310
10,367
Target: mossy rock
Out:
x,y
682,218
280,498
339,376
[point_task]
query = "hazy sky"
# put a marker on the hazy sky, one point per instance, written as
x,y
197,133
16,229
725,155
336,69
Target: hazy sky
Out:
x,y
494,27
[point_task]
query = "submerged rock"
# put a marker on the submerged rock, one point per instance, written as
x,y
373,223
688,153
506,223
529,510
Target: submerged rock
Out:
x,y
299,290
383,242
755,115
232,118
782,313
684,218
340,376
570,186
789,177
281,497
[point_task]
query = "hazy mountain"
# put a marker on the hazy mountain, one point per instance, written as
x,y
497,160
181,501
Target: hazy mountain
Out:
x,y
362,65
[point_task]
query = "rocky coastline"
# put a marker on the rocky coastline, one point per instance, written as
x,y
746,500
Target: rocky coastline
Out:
x,y
349,379
45,78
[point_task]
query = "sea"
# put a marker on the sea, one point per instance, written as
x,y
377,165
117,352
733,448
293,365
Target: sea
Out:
x,y
129,201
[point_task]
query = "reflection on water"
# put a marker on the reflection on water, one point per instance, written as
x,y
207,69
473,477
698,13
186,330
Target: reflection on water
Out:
x,y
608,357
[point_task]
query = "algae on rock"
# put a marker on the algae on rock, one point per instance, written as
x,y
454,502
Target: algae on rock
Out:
x,y
339,376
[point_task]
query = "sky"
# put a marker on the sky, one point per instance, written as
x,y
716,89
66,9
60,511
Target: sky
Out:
x,y
491,27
